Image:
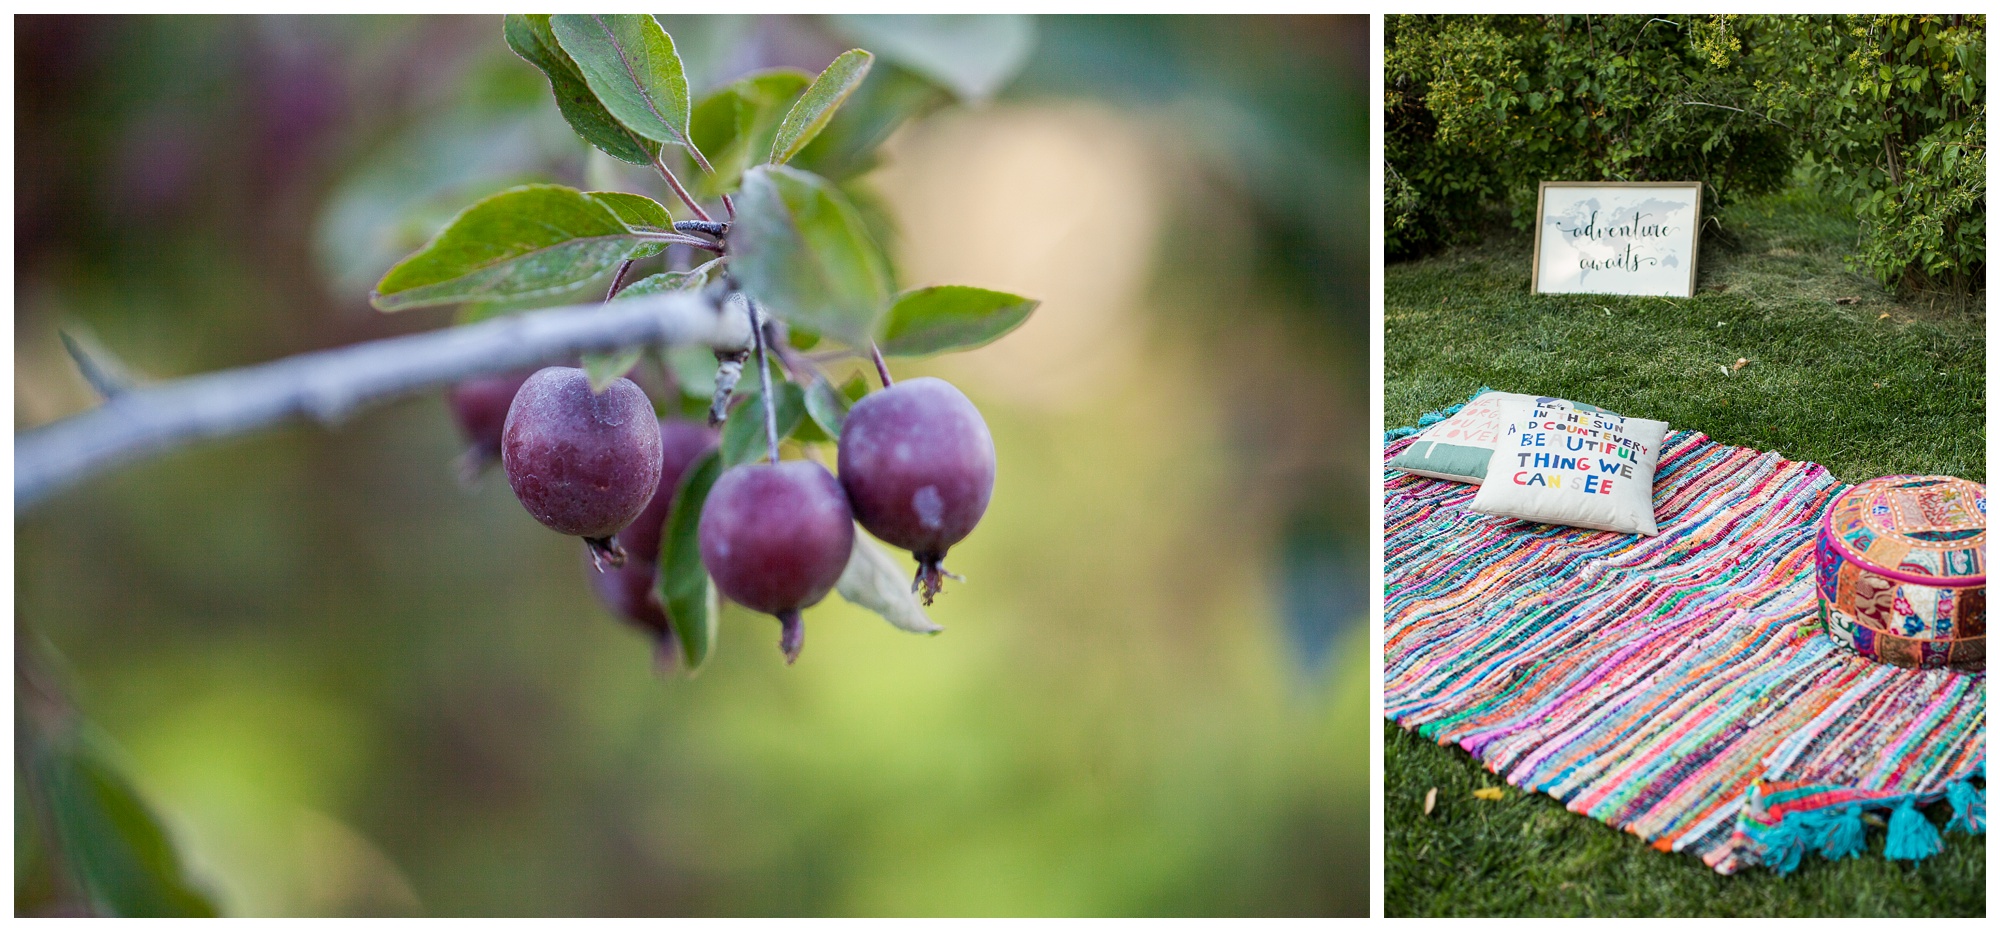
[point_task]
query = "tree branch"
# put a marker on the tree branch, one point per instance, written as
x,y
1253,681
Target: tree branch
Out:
x,y
329,385
1765,117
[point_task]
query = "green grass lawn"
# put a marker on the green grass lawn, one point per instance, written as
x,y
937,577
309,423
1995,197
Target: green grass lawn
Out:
x,y
1867,388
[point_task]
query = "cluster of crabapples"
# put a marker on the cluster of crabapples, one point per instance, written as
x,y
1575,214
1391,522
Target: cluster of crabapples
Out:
x,y
916,467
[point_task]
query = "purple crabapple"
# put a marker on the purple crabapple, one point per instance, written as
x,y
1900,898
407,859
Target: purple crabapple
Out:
x,y
681,443
583,463
479,405
628,591
775,538
917,462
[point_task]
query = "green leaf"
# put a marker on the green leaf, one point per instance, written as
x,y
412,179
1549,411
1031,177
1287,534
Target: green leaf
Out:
x,y
951,317
639,214
636,211
693,367
799,248
879,583
630,64
854,389
827,406
817,105
606,368
683,585
878,218
973,55
472,312
890,97
802,338
743,438
694,370
531,37
110,838
662,282
523,242
735,124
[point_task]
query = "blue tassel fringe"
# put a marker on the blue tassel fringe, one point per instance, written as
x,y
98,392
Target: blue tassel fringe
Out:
x,y
1845,836
1911,836
1968,808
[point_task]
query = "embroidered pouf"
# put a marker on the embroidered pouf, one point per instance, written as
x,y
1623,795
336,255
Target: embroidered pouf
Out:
x,y
1902,571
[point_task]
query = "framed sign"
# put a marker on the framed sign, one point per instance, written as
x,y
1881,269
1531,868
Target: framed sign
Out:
x,y
1617,237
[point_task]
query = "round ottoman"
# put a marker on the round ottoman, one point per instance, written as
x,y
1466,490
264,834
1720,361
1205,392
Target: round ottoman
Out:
x,y
1902,571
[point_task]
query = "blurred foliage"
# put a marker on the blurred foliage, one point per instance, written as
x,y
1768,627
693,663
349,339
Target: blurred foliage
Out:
x,y
349,687
83,837
1886,112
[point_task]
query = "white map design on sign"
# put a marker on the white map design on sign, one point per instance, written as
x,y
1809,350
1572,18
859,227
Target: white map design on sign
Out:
x,y
1617,240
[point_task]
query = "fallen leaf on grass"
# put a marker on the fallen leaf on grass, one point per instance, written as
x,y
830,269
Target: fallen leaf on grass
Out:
x,y
1885,316
1489,793
1740,363
1430,800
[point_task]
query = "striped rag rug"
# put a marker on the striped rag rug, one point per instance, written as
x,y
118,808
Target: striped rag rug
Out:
x,y
1677,687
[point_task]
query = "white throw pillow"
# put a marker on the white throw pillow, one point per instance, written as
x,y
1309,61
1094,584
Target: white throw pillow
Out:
x,y
1559,463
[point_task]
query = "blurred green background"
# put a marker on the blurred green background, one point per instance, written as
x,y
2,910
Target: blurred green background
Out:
x,y
348,685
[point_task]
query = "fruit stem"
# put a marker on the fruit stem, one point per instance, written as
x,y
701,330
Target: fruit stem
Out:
x,y
682,193
605,551
702,161
881,365
792,634
764,381
618,280
931,575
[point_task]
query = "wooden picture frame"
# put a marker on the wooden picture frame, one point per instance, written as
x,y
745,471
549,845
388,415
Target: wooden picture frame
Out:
x,y
1635,257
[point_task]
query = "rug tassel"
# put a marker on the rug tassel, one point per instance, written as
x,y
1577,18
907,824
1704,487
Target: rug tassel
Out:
x,y
1845,837
1911,836
1968,808
1813,826
1784,847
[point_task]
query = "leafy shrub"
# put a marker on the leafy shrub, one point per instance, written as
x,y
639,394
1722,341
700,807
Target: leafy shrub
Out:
x,y
1885,112
1891,111
1481,109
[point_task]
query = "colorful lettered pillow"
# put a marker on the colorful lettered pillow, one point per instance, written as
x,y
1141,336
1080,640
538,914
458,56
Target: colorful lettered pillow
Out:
x,y
1457,448
1565,463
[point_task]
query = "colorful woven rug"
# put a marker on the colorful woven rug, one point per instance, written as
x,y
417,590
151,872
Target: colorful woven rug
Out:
x,y
1677,687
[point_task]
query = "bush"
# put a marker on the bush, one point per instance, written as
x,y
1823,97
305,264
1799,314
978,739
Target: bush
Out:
x,y
1891,111
1887,113
1481,109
